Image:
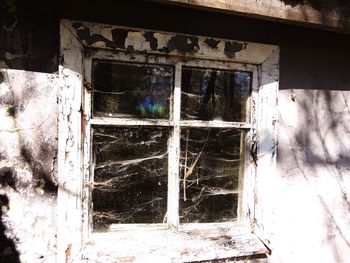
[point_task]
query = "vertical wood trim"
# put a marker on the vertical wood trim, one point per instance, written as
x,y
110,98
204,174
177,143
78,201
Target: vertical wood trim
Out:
x,y
69,202
174,154
247,169
266,170
87,142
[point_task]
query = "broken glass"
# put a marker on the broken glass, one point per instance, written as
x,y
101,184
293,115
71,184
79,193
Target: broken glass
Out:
x,y
210,164
131,90
212,94
130,176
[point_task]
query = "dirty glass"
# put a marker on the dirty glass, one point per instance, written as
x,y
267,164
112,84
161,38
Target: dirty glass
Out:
x,y
130,176
212,94
210,164
131,90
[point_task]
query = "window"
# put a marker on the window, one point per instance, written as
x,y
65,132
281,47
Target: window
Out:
x,y
164,131
150,134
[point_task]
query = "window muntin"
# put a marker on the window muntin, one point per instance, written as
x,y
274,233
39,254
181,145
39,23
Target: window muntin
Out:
x,y
176,127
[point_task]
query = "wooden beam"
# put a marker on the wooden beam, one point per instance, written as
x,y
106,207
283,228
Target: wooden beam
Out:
x,y
334,17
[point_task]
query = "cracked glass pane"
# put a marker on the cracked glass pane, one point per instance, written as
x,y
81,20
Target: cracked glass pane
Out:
x,y
130,176
212,94
210,169
131,90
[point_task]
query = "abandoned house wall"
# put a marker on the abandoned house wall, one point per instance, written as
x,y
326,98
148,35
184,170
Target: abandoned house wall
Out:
x,y
311,212
28,149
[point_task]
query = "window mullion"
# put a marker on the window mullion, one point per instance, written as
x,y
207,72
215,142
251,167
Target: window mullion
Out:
x,y
174,154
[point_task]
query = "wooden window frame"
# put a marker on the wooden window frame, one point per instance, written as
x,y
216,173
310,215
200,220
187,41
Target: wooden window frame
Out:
x,y
75,122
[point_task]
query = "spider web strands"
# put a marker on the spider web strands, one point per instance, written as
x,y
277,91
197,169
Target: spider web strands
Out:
x,y
127,162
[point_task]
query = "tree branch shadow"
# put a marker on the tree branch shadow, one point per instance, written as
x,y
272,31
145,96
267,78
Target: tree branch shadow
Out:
x,y
8,251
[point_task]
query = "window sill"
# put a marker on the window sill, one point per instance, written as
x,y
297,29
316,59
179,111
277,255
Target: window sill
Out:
x,y
191,243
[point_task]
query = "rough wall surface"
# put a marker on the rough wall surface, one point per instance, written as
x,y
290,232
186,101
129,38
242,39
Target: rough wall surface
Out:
x,y
28,146
311,215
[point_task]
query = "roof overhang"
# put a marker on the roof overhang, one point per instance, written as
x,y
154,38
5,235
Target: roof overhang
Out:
x,y
323,14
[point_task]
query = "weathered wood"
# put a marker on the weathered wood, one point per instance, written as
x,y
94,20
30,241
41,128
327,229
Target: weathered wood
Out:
x,y
333,16
189,244
215,124
75,121
69,202
266,140
164,43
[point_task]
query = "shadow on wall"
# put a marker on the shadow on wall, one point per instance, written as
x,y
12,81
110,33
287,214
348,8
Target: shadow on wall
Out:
x,y
317,151
28,114
8,251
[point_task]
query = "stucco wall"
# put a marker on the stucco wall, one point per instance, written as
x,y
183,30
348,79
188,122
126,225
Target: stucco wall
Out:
x,y
28,183
312,213
311,219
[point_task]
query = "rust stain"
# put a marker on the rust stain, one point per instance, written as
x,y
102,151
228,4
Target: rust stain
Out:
x,y
68,251
128,259
254,152
82,117
262,251
88,86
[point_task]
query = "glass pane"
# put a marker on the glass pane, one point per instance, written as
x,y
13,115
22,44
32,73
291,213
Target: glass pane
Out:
x,y
210,167
211,94
129,90
130,177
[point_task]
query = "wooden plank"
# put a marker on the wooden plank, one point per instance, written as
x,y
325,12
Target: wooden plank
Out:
x,y
174,154
193,243
333,17
215,124
107,121
70,161
169,44
266,175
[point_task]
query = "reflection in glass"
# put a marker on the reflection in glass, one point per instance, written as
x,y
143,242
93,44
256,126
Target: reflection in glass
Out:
x,y
210,166
131,89
211,94
130,176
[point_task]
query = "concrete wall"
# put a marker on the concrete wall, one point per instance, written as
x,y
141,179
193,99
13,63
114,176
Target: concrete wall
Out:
x,y
311,219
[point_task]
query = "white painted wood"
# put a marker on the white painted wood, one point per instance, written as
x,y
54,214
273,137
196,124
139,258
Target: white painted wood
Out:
x,y
87,156
215,124
190,243
266,172
174,154
69,203
247,52
163,59
108,121
133,227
